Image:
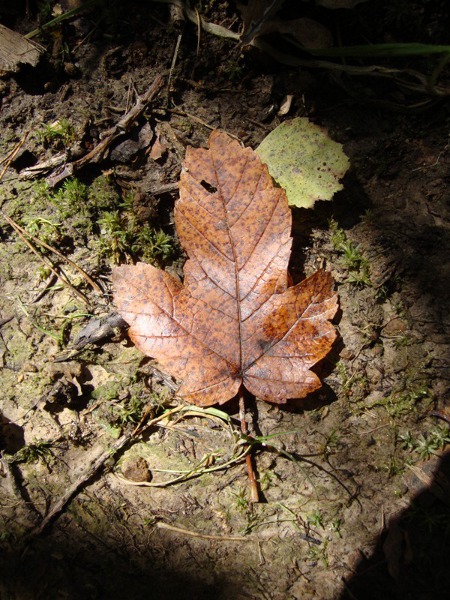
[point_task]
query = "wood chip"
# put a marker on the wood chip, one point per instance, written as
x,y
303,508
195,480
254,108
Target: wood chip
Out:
x,y
15,50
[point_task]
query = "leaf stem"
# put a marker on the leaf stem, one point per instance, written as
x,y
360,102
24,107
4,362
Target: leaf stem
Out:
x,y
254,492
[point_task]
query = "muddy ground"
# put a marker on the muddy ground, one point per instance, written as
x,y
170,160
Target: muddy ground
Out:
x,y
355,486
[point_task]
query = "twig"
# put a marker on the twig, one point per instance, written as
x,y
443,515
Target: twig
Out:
x,y
62,277
84,478
8,159
199,31
172,66
41,293
13,485
5,320
440,414
220,538
254,492
182,113
104,455
81,271
45,166
124,125
141,427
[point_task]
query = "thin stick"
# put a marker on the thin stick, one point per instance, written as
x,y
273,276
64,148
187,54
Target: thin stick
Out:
x,y
8,159
124,125
172,66
220,538
45,260
87,475
92,469
199,31
83,273
254,493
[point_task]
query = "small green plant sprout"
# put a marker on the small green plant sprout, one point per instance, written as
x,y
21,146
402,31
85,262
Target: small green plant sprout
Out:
x,y
156,245
241,501
253,521
37,450
60,130
121,234
399,308
315,519
350,256
331,443
232,70
427,444
336,526
115,240
130,412
432,520
406,441
353,385
394,466
45,230
266,480
103,194
318,553
71,199
40,190
382,293
73,191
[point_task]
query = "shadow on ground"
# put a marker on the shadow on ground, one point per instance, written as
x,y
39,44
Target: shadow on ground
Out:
x,y
411,558
68,568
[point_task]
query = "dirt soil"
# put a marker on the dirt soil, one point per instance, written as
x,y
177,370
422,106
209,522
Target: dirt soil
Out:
x,y
355,482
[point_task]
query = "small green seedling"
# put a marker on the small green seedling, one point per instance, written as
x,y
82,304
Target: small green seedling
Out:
x,y
315,519
336,526
130,411
350,256
60,130
318,553
427,444
37,450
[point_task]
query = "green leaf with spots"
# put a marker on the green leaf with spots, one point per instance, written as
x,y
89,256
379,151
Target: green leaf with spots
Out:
x,y
305,161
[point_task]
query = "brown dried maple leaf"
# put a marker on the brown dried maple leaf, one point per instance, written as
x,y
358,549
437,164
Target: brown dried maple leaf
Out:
x,y
235,321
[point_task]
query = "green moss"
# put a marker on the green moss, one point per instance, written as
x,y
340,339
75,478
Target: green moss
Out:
x,y
351,257
122,235
130,411
354,385
37,450
44,229
60,132
92,215
103,194
71,199
406,402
